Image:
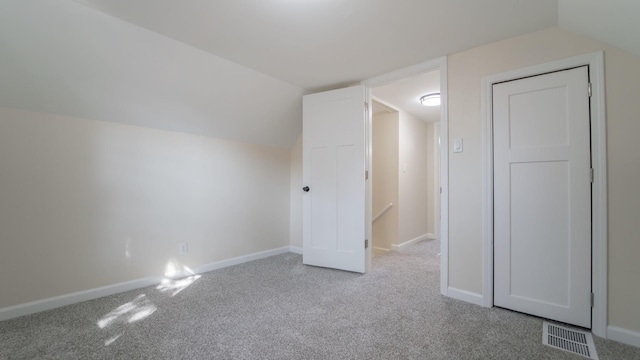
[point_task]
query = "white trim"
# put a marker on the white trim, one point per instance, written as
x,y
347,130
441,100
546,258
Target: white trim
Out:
x,y
466,296
417,69
436,182
599,195
439,64
32,307
241,259
379,250
444,180
624,336
385,104
413,241
368,197
295,249
487,215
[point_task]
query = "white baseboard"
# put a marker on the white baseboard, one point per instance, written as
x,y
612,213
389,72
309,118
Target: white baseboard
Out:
x,y
466,296
379,250
240,259
624,336
295,250
419,238
15,311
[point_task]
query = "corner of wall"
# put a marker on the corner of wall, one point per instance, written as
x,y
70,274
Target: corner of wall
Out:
x,y
295,197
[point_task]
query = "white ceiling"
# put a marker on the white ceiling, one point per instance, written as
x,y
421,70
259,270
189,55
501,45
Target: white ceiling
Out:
x,y
405,94
616,22
237,69
325,44
63,58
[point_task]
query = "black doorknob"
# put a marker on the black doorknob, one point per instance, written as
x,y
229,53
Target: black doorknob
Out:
x,y
305,189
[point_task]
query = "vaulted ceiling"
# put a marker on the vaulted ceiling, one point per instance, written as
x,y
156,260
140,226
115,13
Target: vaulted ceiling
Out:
x,y
237,69
318,44
616,22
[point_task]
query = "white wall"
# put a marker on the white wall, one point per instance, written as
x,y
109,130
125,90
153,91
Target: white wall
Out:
x,y
385,140
61,57
465,71
86,203
415,146
295,161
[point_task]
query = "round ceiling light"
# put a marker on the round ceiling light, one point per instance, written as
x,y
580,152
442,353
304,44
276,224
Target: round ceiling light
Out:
x,y
430,99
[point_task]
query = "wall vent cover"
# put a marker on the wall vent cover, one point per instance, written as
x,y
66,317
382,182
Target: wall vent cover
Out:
x,y
573,341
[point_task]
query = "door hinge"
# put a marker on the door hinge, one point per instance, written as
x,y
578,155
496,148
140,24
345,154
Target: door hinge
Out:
x,y
589,89
366,243
366,174
366,108
592,175
440,189
592,299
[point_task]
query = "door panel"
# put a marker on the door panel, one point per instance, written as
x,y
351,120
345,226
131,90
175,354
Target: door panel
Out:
x,y
333,169
531,206
538,126
542,196
349,167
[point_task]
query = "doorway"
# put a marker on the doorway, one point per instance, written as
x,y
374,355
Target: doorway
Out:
x,y
442,185
309,111
405,163
595,63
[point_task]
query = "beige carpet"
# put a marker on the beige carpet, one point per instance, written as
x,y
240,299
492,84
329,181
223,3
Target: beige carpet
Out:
x,y
277,308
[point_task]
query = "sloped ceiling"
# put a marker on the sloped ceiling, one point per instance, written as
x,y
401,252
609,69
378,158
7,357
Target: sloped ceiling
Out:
x,y
237,69
60,57
616,22
324,44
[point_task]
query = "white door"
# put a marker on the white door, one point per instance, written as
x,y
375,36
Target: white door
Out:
x,y
333,175
542,196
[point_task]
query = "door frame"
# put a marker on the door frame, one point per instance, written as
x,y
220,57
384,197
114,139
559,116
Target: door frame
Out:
x,y
418,69
595,61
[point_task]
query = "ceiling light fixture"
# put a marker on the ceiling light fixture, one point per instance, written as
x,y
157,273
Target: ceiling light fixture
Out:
x,y
430,99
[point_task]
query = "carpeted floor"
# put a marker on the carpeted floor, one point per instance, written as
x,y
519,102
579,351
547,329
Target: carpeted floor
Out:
x,y
277,308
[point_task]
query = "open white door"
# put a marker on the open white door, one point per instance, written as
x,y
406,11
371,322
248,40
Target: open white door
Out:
x,y
333,174
542,190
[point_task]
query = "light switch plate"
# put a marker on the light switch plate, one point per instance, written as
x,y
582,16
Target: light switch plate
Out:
x,y
457,145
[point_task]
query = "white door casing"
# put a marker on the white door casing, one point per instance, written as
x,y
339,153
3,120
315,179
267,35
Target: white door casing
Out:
x,y
439,64
334,164
542,196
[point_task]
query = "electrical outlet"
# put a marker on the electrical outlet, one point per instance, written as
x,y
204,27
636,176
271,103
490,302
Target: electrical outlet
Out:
x,y
183,248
